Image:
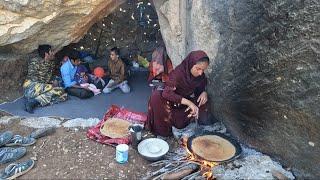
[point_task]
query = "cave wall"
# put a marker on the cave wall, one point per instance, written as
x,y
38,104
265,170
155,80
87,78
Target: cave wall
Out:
x,y
265,70
12,74
122,29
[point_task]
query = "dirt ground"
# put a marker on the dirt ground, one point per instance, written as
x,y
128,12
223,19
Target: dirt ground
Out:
x,y
68,154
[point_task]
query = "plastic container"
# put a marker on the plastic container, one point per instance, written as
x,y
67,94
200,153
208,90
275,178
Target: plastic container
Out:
x,y
122,153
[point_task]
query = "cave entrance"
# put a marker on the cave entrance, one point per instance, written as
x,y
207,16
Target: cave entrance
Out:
x,y
133,27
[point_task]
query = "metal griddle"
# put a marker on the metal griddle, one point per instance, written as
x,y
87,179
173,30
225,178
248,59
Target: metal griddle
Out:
x,y
231,140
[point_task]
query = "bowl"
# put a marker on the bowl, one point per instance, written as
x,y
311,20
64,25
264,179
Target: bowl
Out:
x,y
153,149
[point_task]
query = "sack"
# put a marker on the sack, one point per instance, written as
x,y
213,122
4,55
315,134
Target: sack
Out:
x,y
116,112
143,61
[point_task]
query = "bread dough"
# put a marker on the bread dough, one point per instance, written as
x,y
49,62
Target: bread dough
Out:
x,y
115,128
213,148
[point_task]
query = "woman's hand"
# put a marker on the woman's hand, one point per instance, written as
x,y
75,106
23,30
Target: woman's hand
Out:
x,y
191,106
202,99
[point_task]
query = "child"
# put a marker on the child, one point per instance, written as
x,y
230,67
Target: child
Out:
x,y
81,75
82,79
98,77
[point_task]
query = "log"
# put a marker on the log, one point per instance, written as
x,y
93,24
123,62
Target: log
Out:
x,y
185,171
178,175
192,176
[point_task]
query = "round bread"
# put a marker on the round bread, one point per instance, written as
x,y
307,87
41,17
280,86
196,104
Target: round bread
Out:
x,y
213,148
115,128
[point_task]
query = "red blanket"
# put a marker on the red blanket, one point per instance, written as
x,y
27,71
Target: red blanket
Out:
x,y
116,112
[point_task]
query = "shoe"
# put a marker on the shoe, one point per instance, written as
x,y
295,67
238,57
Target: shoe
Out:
x,y
5,137
18,140
8,154
12,171
42,132
30,105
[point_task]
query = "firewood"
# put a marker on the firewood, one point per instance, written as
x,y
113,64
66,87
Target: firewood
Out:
x,y
180,171
178,175
192,176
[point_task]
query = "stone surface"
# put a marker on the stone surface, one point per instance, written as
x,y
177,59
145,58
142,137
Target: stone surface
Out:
x,y
264,80
8,120
80,122
252,165
41,122
191,128
186,27
25,24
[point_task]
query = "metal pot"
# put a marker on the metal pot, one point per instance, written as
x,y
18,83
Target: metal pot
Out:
x,y
231,140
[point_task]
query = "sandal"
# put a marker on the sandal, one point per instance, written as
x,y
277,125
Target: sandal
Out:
x,y
15,170
8,154
5,137
18,140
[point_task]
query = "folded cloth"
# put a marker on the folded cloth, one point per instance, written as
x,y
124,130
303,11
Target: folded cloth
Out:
x,y
114,111
92,88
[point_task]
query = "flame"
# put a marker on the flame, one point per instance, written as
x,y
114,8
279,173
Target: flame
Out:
x,y
205,166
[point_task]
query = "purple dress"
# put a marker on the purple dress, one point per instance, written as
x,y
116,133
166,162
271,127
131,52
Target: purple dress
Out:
x,y
165,109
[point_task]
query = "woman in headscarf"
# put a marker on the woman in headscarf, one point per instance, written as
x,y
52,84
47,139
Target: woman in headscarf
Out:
x,y
160,66
183,99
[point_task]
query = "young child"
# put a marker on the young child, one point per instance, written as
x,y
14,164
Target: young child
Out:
x,y
82,79
81,75
99,77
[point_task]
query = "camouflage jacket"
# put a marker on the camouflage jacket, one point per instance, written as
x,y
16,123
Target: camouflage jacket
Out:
x,y
40,70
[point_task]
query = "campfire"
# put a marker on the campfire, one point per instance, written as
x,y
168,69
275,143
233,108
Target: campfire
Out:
x,y
205,167
182,164
186,163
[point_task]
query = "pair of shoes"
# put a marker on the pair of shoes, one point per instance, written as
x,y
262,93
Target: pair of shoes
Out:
x,y
42,132
5,137
12,171
19,140
30,105
8,154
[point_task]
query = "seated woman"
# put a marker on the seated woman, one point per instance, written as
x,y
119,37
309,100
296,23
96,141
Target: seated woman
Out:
x,y
160,66
183,99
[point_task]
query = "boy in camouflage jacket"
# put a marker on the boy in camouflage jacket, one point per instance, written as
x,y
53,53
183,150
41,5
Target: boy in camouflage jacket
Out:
x,y
39,89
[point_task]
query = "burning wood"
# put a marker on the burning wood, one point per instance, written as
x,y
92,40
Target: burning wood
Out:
x,y
182,165
180,172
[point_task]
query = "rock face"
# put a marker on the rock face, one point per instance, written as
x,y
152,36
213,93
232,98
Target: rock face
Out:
x,y
26,23
186,27
264,79
12,74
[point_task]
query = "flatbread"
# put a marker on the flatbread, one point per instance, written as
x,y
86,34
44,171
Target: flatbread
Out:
x,y
213,148
115,128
